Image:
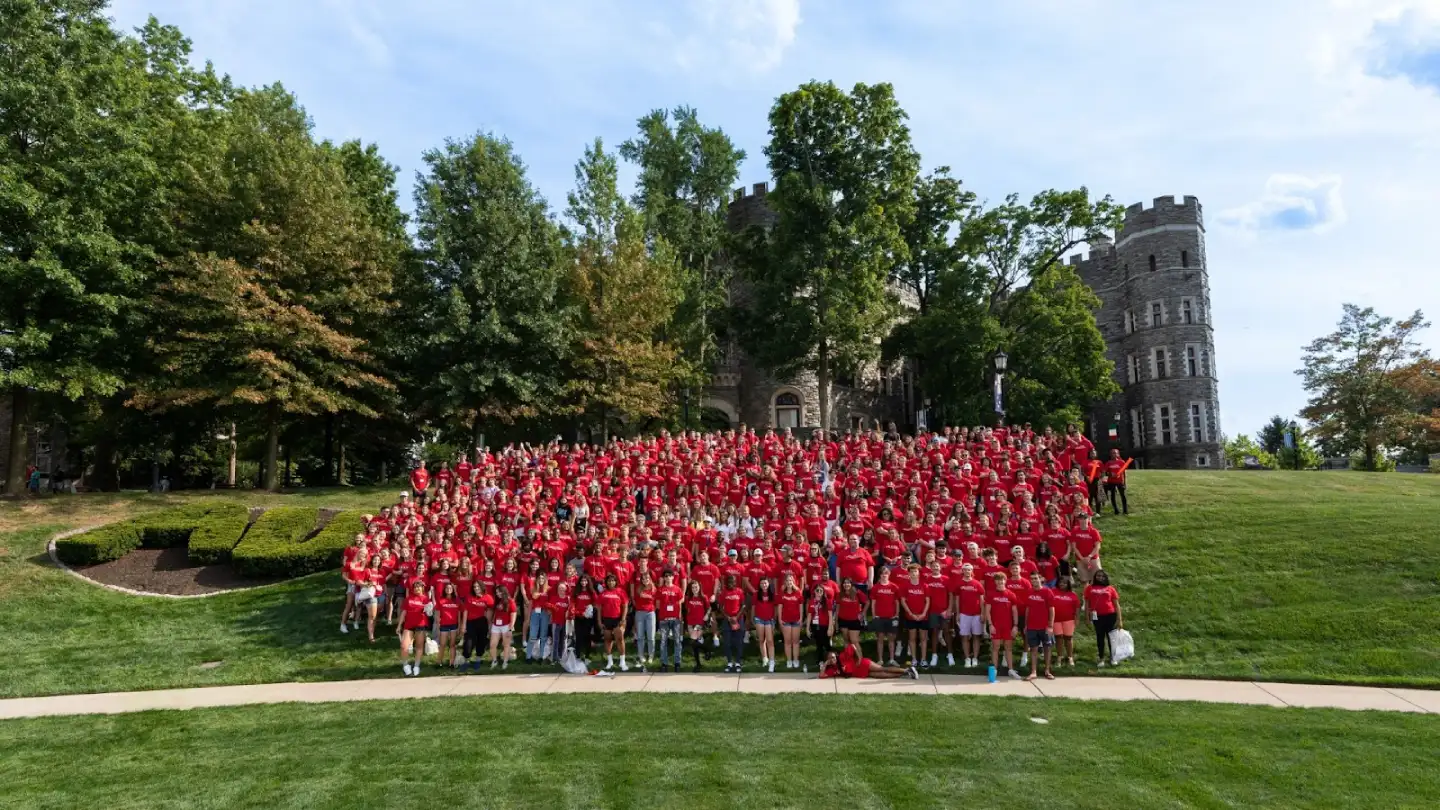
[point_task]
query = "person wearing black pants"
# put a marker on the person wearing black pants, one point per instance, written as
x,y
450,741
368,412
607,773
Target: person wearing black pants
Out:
x,y
1102,602
1114,490
734,645
474,627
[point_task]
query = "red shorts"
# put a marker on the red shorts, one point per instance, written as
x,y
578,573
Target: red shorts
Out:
x,y
1003,634
861,669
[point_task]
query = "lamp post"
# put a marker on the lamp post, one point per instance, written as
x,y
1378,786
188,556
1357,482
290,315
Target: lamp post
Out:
x,y
686,397
230,479
1001,361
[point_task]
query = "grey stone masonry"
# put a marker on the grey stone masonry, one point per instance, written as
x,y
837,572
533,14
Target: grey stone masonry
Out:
x,y
1154,289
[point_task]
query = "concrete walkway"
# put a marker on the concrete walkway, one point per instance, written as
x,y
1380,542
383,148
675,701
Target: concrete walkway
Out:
x,y
434,685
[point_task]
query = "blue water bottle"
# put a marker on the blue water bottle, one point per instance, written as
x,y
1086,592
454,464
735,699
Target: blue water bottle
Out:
x,y
992,674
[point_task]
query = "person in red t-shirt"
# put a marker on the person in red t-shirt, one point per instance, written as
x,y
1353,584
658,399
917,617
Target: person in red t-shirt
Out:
x,y
668,601
613,608
885,608
969,595
850,611
697,616
1115,469
420,482
502,626
447,608
415,616
937,586
558,604
915,614
1102,602
1039,625
851,664
791,599
1002,614
1067,605
763,606
475,624
732,615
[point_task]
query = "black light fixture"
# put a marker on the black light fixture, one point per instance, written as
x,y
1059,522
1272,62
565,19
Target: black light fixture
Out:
x,y
1001,359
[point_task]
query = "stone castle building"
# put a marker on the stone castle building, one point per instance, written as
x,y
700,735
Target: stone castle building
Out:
x,y
1155,316
743,393
1154,288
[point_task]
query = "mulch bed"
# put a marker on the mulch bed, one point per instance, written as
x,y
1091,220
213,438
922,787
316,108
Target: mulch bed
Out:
x,y
167,571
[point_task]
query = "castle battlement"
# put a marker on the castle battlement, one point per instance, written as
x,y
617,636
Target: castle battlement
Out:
x,y
1162,211
757,190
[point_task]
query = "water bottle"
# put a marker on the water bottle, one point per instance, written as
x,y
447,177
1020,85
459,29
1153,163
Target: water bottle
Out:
x,y
992,674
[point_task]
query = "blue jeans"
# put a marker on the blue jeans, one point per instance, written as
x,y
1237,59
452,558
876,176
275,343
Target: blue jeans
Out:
x,y
557,640
644,634
834,568
671,630
539,631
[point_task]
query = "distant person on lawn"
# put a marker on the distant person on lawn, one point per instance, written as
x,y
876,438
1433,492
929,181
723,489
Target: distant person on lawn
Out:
x,y
1115,481
420,482
1102,602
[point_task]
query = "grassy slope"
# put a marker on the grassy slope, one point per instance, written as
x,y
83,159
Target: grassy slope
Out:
x,y
708,751
1284,576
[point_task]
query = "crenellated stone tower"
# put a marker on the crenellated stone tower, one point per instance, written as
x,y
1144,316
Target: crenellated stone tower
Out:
x,y
1154,289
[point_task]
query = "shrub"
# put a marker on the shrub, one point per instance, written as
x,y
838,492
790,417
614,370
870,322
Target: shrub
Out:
x,y
217,533
100,545
326,549
271,548
168,528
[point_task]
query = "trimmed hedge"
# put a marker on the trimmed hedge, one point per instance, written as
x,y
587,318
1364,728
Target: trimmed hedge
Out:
x,y
272,547
169,528
217,534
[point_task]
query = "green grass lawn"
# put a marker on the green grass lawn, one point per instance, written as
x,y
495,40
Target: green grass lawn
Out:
x,y
1278,576
703,751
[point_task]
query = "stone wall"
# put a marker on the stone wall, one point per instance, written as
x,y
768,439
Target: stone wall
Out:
x,y
1157,260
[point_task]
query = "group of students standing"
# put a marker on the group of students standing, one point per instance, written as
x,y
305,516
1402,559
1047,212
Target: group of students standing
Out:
x,y
679,548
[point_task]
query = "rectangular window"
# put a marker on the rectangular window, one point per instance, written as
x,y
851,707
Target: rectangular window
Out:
x,y
1137,427
1205,363
1163,420
1162,365
1184,258
1129,321
1157,314
1187,311
1133,370
1202,461
1192,360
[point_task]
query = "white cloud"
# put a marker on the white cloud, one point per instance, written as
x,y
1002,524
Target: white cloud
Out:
x,y
751,36
1291,202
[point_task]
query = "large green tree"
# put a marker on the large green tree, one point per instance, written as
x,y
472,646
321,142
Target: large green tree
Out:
x,y
625,292
686,171
285,265
818,297
1368,382
493,260
81,188
1005,287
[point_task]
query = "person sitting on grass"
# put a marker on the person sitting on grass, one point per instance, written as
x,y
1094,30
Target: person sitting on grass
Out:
x,y
851,664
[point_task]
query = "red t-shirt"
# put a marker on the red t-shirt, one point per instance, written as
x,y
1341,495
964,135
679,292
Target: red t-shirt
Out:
x,y
971,593
415,618
477,606
612,604
1037,609
765,611
1000,604
732,602
851,608
854,565
1067,604
885,600
938,589
644,600
501,616
1101,600
916,597
790,604
559,609
1086,541
707,575
667,602
695,607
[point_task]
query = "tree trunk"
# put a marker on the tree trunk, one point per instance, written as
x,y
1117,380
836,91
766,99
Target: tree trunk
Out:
x,y
1369,455
105,476
477,433
330,476
19,430
272,448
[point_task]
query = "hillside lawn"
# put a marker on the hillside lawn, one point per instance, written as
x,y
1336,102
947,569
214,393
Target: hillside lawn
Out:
x,y
1314,577
704,751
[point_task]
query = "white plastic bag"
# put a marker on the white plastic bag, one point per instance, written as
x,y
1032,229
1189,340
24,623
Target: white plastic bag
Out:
x,y
573,664
1122,646
432,647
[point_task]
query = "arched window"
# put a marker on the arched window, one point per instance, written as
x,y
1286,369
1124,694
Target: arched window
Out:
x,y
1152,262
787,411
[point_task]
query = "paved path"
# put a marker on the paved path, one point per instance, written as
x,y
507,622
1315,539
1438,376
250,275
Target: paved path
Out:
x,y
1264,694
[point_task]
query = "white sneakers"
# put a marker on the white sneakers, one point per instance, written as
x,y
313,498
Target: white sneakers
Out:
x,y
949,659
1015,674
772,664
624,667
1024,659
406,667
344,628
934,660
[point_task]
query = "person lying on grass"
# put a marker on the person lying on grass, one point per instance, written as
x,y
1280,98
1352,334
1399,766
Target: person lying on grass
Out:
x,y
851,664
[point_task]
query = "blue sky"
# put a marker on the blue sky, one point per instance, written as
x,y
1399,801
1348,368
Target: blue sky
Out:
x,y
1309,129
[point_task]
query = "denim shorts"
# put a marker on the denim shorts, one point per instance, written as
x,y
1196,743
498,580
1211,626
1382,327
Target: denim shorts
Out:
x,y
764,622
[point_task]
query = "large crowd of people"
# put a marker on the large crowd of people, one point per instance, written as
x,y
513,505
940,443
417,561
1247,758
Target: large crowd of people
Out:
x,y
658,551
